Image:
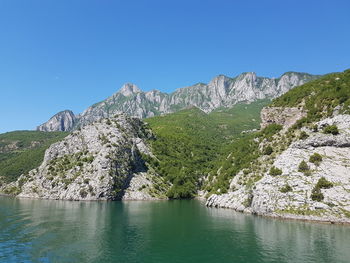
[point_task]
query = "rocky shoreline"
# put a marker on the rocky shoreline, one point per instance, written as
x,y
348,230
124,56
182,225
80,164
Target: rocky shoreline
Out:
x,y
301,188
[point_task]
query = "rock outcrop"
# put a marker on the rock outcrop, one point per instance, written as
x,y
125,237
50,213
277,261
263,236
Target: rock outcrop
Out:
x,y
62,121
222,91
286,117
298,192
102,161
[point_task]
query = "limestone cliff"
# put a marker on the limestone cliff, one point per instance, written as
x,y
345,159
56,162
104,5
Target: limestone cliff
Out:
x,y
62,121
307,179
101,161
282,116
221,91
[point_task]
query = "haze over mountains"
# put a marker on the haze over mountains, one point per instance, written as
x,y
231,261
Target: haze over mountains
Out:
x,y
221,91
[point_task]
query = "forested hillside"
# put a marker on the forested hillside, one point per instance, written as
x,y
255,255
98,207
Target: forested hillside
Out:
x,y
189,143
21,151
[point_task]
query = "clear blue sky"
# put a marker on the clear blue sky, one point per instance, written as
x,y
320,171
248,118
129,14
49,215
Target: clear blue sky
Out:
x,y
69,54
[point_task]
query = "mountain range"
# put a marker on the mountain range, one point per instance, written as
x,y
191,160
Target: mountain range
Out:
x,y
295,166
220,92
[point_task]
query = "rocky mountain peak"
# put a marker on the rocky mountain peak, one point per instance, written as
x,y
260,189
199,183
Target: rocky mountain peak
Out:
x,y
248,77
221,91
62,121
129,89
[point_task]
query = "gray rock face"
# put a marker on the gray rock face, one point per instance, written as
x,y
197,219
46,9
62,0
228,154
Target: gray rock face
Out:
x,y
102,161
62,121
279,115
266,196
222,91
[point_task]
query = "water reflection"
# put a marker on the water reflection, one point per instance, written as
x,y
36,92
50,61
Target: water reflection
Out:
x,y
174,231
288,240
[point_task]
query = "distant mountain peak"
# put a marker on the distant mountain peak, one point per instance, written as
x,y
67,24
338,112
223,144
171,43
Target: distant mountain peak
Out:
x,y
129,89
62,121
221,91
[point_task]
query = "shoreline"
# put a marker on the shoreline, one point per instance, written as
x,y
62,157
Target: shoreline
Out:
x,y
291,217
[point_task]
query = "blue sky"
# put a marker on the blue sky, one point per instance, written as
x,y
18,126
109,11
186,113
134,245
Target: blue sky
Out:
x,y
69,54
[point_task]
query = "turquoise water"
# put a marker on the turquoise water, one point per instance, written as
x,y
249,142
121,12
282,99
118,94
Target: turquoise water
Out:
x,y
160,231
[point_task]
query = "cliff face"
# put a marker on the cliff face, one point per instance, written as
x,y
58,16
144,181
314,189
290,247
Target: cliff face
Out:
x,y
318,189
102,161
62,121
280,115
222,91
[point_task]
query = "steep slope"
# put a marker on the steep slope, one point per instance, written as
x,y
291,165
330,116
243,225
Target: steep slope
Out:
x,y
189,142
222,91
102,161
62,121
296,168
22,151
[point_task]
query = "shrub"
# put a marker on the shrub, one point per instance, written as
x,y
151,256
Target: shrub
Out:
x,y
324,183
286,188
267,150
331,129
304,168
274,171
316,194
316,158
83,193
271,130
246,171
303,135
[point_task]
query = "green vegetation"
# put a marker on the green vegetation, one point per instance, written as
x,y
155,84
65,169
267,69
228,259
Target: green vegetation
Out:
x,y
316,193
303,135
274,171
268,150
191,143
320,97
316,159
22,151
331,129
324,183
182,140
285,189
304,210
304,168
270,131
235,157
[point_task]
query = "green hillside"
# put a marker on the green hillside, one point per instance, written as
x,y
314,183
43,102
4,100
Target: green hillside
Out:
x,y
189,142
22,151
319,97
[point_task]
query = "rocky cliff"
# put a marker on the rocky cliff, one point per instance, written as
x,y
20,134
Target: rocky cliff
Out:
x,y
307,179
222,91
280,115
62,121
101,161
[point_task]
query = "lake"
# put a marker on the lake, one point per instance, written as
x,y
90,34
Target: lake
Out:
x,y
159,231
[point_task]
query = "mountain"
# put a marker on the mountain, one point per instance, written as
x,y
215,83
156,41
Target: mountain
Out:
x,y
62,121
183,146
221,92
298,165
101,161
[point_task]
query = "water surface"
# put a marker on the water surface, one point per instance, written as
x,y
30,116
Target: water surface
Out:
x,y
159,231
